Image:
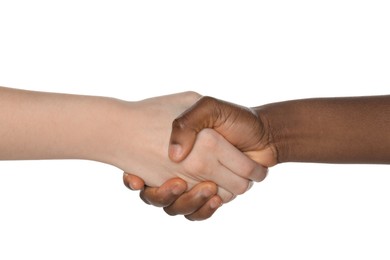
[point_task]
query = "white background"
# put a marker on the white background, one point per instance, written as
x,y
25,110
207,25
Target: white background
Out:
x,y
247,52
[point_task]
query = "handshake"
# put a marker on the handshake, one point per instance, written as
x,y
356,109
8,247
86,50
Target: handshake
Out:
x,y
188,153
217,150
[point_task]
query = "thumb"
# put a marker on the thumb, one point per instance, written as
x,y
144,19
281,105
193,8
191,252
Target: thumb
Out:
x,y
185,127
181,142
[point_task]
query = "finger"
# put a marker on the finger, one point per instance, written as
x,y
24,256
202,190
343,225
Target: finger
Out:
x,y
211,142
207,210
132,182
186,127
238,162
192,200
226,196
227,180
166,194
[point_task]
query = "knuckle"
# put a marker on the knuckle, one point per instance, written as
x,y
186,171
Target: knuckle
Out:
x,y
225,195
242,188
180,122
183,122
209,187
155,199
212,104
191,95
261,176
126,181
208,138
207,100
195,165
248,170
194,218
199,215
170,212
144,198
159,202
259,173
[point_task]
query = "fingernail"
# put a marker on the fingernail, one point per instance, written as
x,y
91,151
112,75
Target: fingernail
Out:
x,y
177,190
214,204
249,185
131,186
175,151
207,193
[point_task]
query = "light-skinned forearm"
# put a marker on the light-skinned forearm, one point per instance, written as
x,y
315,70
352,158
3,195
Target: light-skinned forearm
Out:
x,y
39,125
330,130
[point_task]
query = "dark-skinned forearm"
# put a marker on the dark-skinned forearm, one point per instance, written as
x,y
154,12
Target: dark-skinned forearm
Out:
x,y
330,130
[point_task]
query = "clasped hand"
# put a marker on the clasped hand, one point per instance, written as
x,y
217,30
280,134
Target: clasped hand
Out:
x,y
208,147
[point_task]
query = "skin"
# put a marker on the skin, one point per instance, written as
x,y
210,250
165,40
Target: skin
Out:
x,y
199,203
322,130
132,136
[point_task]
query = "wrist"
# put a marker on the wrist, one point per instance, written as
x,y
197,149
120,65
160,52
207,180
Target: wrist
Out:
x,y
115,144
282,126
101,130
272,130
